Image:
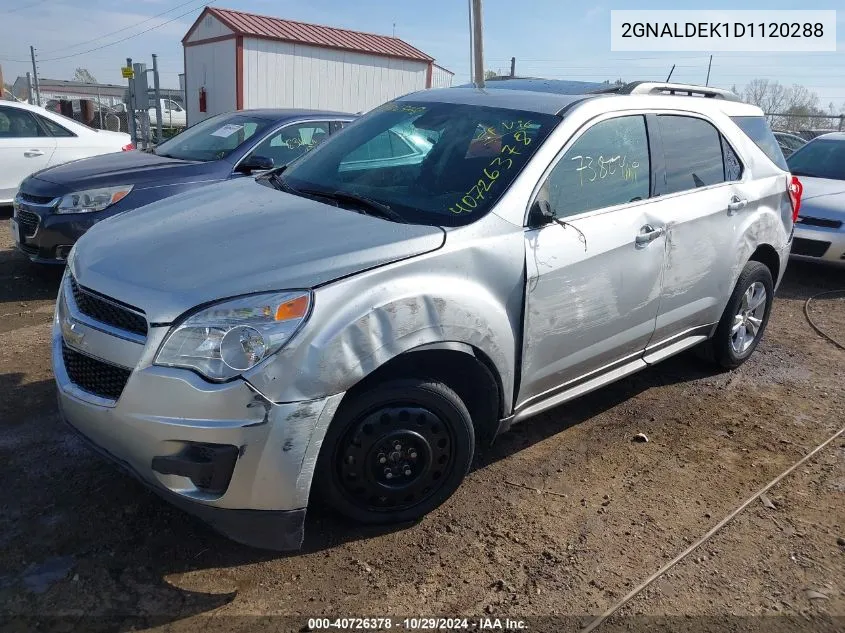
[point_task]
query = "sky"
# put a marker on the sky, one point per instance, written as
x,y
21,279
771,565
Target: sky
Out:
x,y
549,38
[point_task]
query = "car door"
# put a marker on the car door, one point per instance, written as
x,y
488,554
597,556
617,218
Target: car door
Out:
x,y
291,141
702,202
594,273
25,147
69,146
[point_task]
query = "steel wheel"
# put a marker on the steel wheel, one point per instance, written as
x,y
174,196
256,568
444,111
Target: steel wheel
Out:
x,y
394,458
396,451
748,320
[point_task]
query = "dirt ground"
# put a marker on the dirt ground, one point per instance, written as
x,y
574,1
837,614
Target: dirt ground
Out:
x,y
557,522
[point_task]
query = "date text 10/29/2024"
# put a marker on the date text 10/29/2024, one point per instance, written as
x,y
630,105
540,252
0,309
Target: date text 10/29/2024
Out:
x,y
416,624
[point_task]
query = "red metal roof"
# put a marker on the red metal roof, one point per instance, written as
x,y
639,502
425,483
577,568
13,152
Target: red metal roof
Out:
x,y
252,25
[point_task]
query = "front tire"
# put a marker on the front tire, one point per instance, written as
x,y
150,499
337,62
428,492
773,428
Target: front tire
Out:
x,y
395,453
745,317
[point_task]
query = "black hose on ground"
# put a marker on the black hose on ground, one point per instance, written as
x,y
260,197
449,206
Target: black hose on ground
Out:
x,y
813,323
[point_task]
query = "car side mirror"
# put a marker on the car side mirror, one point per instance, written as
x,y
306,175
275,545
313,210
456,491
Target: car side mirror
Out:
x,y
540,214
255,163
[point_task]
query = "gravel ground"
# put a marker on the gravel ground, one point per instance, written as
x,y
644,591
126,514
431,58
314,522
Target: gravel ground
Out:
x,y
560,519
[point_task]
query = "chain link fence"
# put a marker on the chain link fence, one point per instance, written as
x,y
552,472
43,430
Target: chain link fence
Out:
x,y
808,126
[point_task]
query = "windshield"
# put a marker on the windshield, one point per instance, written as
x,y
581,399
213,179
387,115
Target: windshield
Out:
x,y
819,159
432,163
214,138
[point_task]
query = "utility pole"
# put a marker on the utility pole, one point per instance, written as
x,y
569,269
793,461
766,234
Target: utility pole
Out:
x,y
130,107
29,97
710,63
35,76
158,98
469,17
478,43
513,67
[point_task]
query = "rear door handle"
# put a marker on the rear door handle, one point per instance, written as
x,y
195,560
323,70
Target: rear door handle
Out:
x,y
33,152
648,234
736,204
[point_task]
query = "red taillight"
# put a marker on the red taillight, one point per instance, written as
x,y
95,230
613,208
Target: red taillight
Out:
x,y
795,190
127,148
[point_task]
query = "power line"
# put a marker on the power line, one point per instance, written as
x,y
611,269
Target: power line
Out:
x,y
128,37
26,6
126,28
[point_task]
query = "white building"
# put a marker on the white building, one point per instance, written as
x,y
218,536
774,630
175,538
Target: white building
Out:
x,y
236,60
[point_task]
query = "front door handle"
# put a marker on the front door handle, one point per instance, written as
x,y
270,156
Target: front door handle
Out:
x,y
648,234
736,204
33,152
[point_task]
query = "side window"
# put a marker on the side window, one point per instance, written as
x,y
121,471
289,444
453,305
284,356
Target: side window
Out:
x,y
292,141
607,165
54,128
733,166
16,123
693,153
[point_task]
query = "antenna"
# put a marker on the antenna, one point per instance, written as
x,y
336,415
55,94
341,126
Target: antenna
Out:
x,y
710,63
670,73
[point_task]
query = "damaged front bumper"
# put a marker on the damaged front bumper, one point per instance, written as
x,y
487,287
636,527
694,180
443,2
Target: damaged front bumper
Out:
x,y
222,452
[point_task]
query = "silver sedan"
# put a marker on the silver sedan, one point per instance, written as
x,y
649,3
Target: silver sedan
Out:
x,y
820,229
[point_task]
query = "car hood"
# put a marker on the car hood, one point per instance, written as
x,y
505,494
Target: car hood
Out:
x,y
816,187
137,168
231,239
823,199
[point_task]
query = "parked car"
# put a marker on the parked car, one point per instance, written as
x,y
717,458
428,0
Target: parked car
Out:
x,y
789,142
56,206
172,114
360,330
32,138
820,228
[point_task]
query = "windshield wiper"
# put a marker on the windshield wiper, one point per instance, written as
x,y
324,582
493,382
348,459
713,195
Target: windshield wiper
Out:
x,y
368,206
274,178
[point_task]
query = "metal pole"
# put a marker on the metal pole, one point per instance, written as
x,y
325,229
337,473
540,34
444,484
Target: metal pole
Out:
x,y
513,67
130,107
841,118
100,107
670,73
710,63
29,98
469,17
158,98
35,76
478,43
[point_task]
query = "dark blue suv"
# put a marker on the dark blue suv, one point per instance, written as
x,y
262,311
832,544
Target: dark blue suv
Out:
x,y
54,207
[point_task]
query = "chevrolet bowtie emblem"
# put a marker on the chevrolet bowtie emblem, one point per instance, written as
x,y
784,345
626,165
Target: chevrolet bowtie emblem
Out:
x,y
72,333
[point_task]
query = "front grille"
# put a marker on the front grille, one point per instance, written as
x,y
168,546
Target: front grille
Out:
x,y
28,249
107,312
828,224
94,376
28,197
28,221
810,248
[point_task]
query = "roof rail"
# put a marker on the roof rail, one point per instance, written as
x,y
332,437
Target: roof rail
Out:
x,y
686,90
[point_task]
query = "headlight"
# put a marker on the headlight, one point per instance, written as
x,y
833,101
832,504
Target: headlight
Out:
x,y
92,199
228,338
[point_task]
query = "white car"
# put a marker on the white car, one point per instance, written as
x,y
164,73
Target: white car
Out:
x,y
32,138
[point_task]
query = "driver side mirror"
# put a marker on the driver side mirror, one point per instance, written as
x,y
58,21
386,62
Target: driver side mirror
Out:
x,y
540,214
255,163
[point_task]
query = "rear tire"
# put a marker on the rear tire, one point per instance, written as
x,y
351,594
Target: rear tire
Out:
x,y
395,453
745,317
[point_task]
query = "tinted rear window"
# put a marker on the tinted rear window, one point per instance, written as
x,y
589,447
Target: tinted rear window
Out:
x,y
758,130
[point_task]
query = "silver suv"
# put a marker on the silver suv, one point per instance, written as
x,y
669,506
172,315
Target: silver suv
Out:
x,y
348,329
